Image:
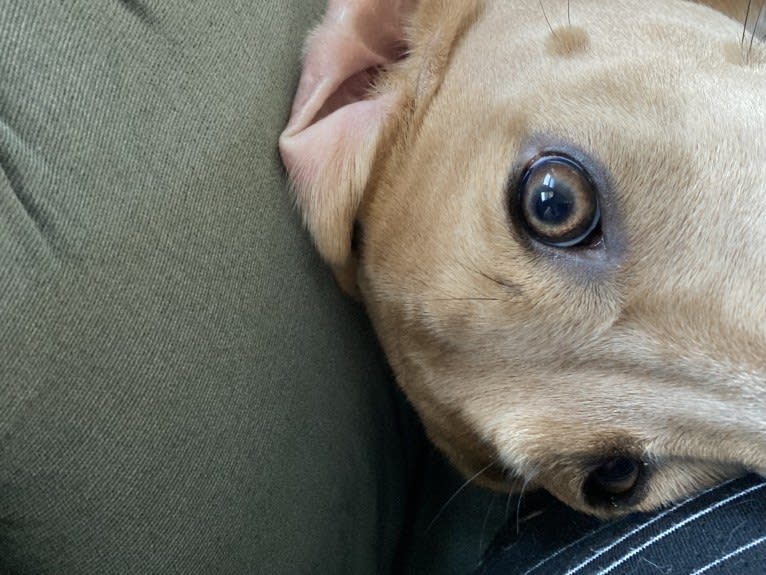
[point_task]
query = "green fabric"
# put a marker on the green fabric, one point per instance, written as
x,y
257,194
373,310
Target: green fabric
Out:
x,y
183,388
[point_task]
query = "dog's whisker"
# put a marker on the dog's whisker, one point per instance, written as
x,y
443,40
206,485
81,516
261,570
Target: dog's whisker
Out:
x,y
744,26
501,283
569,13
755,30
484,525
459,490
545,15
518,505
422,301
508,504
464,299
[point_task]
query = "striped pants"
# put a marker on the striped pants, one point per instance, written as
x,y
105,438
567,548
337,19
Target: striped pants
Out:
x,y
719,531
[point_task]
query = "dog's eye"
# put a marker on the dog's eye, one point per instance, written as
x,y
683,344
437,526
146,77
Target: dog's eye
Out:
x,y
558,202
615,478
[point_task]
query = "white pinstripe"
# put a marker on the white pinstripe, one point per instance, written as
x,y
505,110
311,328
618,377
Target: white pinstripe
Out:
x,y
677,526
611,545
734,553
629,534
543,561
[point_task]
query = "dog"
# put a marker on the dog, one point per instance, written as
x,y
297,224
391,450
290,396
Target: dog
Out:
x,y
555,215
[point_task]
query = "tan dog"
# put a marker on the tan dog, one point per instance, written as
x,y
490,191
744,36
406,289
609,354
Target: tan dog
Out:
x,y
560,219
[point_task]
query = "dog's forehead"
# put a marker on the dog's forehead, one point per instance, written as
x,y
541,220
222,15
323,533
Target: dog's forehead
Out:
x,y
664,100
611,57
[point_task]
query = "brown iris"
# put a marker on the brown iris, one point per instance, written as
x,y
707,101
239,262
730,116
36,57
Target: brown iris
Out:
x,y
559,204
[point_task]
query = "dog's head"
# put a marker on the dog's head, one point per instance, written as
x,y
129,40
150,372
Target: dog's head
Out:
x,y
557,222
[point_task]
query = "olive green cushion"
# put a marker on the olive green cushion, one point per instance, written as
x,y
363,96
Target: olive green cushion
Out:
x,y
183,389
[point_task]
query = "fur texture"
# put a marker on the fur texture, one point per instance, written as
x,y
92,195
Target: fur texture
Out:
x,y
529,363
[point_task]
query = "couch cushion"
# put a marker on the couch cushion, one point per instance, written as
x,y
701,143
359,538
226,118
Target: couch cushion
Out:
x,y
183,388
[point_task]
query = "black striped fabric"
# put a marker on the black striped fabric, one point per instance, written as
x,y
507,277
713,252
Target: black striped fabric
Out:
x,y
716,532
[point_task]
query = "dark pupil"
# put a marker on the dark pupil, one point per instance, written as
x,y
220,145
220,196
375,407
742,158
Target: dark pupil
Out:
x,y
617,470
558,202
615,480
553,206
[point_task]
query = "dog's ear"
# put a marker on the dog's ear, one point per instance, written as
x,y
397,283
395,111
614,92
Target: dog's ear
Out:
x,y
337,118
339,114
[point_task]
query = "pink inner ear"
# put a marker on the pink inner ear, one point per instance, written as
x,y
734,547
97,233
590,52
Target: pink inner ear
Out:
x,y
328,143
355,39
324,150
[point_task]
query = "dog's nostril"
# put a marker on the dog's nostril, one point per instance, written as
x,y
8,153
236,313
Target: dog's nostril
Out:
x,y
616,478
